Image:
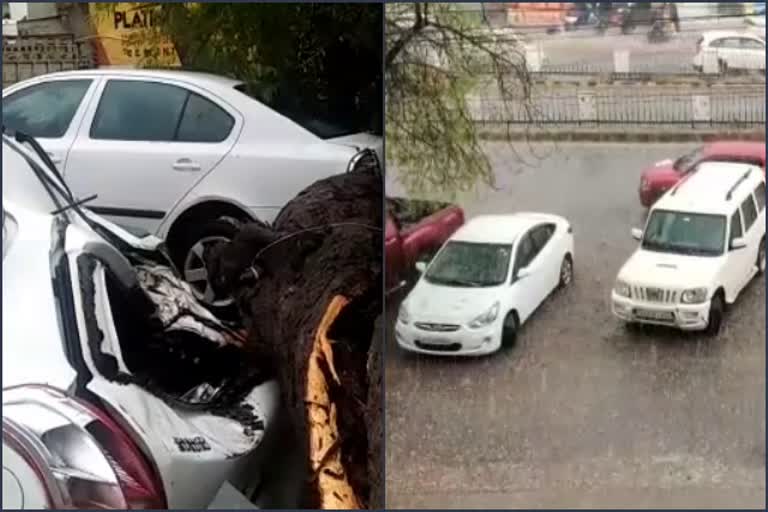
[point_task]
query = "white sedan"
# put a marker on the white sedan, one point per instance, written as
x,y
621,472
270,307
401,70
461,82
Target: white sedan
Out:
x,y
729,50
185,156
484,283
109,397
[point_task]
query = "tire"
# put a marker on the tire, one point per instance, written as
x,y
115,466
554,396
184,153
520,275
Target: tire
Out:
x,y
716,311
722,66
509,330
761,258
566,272
187,253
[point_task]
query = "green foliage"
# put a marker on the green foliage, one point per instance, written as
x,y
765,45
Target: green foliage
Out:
x,y
436,57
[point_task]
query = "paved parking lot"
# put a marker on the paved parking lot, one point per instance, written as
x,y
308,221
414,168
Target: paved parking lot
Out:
x,y
581,412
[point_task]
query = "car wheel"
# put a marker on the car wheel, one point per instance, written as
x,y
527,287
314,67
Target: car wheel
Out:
x,y
566,272
722,66
716,311
509,330
761,258
188,253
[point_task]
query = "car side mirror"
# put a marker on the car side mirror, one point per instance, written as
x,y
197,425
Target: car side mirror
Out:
x,y
637,234
738,243
523,273
421,266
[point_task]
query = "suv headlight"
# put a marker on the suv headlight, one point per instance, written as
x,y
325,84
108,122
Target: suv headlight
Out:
x,y
622,289
486,318
403,316
694,296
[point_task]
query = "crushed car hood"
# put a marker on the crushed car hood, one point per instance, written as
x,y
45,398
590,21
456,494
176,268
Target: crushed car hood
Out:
x,y
33,348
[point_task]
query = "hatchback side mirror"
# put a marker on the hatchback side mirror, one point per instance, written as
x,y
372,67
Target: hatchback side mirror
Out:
x,y
421,266
738,243
637,234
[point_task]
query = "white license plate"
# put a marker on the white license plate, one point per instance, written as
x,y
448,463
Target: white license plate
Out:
x,y
436,341
664,316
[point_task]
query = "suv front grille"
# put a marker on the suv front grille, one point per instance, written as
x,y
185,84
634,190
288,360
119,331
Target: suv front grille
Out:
x,y
436,327
654,294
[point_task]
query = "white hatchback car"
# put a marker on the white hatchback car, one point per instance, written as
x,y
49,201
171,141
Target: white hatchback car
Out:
x,y
484,283
730,50
185,156
703,242
110,399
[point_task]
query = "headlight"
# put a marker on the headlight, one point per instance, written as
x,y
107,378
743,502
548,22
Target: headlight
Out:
x,y
403,316
622,289
694,296
486,318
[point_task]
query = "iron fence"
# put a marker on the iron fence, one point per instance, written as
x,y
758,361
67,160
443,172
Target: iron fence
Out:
x,y
628,106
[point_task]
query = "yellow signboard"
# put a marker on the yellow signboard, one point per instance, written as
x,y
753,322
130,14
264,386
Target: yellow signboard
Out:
x,y
126,35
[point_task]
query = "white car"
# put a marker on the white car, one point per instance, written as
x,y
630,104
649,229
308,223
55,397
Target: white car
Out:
x,y
730,50
185,156
484,283
99,411
703,242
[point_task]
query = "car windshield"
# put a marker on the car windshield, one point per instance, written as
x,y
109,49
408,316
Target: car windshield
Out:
x,y
685,233
685,162
320,117
470,264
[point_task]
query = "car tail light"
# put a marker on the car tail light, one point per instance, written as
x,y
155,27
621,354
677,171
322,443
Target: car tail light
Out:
x,y
80,455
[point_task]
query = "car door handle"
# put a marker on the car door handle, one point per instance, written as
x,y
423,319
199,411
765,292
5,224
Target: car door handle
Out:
x,y
186,165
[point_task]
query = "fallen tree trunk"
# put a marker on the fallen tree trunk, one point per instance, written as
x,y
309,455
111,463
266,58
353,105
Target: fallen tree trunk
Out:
x,y
310,291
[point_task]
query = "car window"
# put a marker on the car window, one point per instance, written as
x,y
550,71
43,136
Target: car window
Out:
x,y
44,110
749,212
752,44
760,197
736,231
731,42
525,252
204,121
717,43
138,111
541,235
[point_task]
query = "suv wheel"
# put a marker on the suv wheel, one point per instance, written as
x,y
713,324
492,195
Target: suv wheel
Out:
x,y
761,258
566,271
716,311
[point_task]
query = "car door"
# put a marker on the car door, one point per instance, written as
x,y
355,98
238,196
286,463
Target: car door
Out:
x,y
145,143
753,53
51,111
526,291
728,50
737,259
550,260
753,232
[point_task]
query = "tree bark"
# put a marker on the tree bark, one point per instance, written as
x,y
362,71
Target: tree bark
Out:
x,y
320,262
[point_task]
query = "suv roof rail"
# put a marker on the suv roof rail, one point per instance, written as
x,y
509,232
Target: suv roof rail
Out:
x,y
739,181
686,177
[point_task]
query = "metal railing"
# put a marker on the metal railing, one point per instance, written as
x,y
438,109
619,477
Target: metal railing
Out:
x,y
627,106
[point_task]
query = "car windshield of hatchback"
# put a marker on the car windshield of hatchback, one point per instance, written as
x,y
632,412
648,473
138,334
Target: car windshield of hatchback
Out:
x,y
467,264
685,162
685,233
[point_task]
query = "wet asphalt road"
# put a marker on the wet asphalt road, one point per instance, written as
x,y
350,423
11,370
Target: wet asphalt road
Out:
x,y
581,412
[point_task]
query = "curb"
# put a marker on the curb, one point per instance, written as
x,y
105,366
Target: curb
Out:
x,y
615,135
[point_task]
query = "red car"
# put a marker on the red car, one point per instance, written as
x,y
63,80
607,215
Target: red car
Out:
x,y
656,180
415,231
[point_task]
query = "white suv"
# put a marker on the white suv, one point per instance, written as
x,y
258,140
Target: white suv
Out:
x,y
703,242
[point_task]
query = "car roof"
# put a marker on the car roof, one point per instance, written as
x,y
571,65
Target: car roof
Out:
x,y
705,190
711,35
203,79
736,148
502,228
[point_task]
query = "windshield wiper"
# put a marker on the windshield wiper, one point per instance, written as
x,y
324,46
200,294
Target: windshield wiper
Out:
x,y
74,204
